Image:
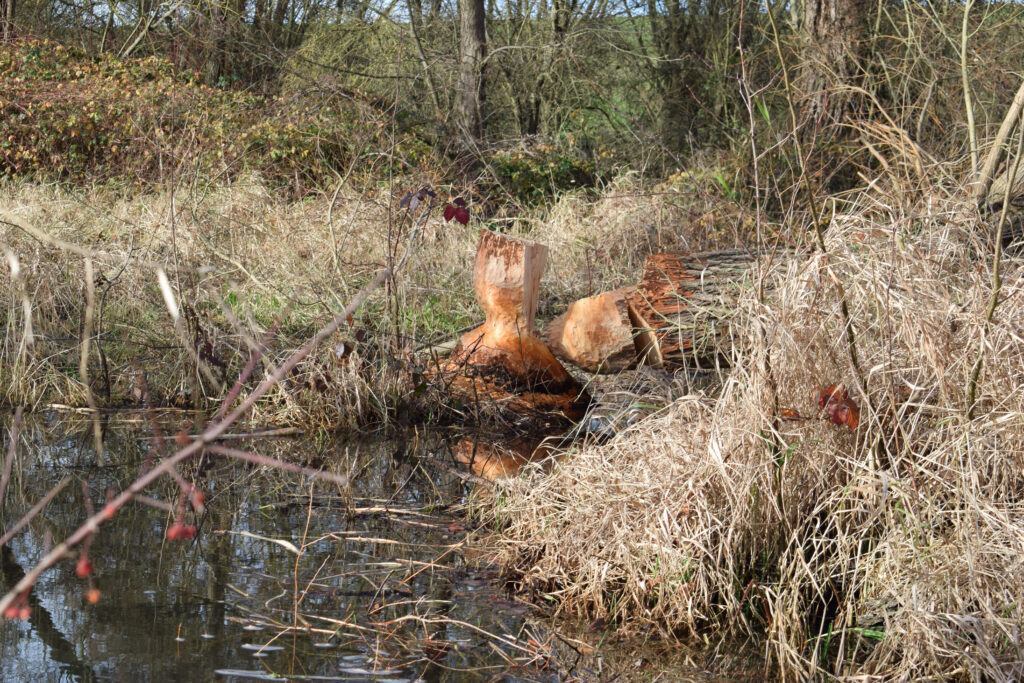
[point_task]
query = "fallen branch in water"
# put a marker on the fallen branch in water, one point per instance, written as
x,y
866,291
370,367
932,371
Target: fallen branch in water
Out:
x,y
213,431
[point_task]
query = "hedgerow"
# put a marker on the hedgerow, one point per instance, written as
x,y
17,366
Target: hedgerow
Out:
x,y
72,116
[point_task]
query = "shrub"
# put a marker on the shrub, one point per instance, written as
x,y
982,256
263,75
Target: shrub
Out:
x,y
533,177
69,115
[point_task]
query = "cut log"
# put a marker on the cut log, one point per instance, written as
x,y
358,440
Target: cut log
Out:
x,y
501,365
596,333
681,308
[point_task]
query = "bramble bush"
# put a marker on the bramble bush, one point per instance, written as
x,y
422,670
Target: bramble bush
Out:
x,y
537,176
69,115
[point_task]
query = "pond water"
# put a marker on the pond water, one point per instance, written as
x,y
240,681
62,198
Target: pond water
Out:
x,y
287,579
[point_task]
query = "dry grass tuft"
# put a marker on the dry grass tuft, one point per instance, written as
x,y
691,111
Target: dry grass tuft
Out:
x,y
242,259
241,262
896,550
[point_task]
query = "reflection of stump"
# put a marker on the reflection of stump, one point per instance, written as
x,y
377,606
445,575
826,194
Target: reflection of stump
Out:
x,y
501,365
494,461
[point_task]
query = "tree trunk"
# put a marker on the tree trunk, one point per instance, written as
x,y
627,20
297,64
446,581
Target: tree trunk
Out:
x,y
473,49
671,28
682,306
7,19
834,31
415,8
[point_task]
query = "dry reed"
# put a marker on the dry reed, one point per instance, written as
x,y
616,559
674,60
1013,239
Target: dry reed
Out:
x,y
896,550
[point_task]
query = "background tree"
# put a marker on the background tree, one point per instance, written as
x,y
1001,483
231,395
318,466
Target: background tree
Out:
x,y
472,52
6,19
835,35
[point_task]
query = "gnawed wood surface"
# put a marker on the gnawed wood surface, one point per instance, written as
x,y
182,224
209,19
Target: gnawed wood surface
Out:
x,y
681,307
595,333
501,366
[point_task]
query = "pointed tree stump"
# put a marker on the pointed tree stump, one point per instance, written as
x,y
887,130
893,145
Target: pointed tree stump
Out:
x,y
682,306
596,333
501,365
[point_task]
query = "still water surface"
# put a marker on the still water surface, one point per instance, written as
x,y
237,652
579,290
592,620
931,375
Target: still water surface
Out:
x,y
386,586
382,590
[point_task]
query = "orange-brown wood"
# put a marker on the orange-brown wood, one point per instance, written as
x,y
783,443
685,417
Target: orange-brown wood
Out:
x,y
501,364
492,460
680,308
596,333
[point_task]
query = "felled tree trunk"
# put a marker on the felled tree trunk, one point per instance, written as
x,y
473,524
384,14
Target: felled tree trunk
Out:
x,y
596,333
501,366
681,308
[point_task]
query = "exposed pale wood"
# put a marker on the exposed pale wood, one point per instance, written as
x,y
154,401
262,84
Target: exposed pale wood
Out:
x,y
683,303
596,333
506,280
501,364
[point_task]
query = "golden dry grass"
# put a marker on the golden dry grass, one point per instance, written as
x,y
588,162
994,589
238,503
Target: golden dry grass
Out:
x,y
894,551
239,250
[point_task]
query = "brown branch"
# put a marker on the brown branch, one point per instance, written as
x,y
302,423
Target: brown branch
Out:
x,y
983,181
210,434
277,464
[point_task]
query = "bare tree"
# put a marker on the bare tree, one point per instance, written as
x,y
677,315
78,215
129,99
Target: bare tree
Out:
x,y
835,31
7,19
472,52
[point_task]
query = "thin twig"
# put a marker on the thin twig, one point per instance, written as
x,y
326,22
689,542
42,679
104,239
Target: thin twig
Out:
x,y
12,448
36,509
93,523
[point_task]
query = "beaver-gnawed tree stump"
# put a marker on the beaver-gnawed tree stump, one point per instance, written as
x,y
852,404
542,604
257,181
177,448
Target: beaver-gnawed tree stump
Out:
x,y
501,368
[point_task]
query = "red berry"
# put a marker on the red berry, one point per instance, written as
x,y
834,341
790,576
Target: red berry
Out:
x,y
109,510
93,595
24,612
83,568
181,532
11,612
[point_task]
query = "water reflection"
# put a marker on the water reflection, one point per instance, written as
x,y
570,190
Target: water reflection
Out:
x,y
380,590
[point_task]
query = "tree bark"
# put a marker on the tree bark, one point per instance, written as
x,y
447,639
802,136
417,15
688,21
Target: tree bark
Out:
x,y
7,19
670,32
415,8
834,31
681,308
473,50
